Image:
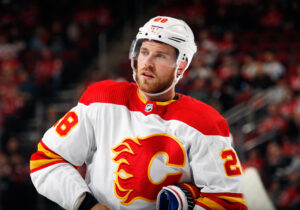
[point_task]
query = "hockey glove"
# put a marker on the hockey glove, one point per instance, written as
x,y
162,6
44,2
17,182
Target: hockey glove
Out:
x,y
176,197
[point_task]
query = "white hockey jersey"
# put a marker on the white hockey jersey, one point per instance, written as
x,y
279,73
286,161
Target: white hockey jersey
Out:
x,y
132,148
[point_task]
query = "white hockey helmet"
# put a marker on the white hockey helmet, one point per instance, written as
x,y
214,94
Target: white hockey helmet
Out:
x,y
171,31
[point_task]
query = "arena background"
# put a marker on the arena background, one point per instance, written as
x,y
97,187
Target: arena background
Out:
x,y
247,67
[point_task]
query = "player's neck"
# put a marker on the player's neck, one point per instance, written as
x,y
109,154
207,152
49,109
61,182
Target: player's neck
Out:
x,y
163,97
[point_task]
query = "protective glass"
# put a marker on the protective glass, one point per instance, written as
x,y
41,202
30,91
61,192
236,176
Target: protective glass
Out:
x,y
146,56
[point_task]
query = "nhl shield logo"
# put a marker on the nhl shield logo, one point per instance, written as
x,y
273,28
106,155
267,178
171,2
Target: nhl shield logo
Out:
x,y
148,107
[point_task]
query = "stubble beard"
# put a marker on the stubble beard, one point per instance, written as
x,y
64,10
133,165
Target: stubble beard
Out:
x,y
155,85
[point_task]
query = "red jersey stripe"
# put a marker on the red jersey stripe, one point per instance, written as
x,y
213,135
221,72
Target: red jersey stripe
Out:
x,y
237,195
47,148
202,205
228,205
47,165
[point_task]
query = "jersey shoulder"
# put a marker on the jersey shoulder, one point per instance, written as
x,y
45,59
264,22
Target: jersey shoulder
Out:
x,y
108,91
201,116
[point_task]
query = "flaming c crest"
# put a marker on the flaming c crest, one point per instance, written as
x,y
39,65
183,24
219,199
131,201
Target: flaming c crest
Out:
x,y
135,157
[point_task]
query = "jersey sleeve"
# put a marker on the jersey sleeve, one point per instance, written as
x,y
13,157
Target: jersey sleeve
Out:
x,y
217,173
63,148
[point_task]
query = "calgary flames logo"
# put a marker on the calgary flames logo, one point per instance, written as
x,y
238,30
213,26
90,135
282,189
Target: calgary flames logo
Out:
x,y
140,159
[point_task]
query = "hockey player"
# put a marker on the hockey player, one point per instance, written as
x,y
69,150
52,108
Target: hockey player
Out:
x,y
145,146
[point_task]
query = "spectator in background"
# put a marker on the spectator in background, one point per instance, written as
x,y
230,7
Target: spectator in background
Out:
x,y
240,88
297,115
95,77
255,159
57,41
199,69
29,15
294,166
27,87
272,18
236,80
289,196
226,68
15,181
208,48
216,94
198,79
4,176
39,39
288,146
273,122
272,67
261,80
288,112
275,162
12,146
8,50
17,38
226,97
3,168
51,116
294,80
199,89
48,70
13,102
278,92
8,75
287,107
275,190
196,11
104,17
73,33
249,67
226,45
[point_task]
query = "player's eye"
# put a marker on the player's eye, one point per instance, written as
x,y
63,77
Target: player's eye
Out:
x,y
161,56
144,52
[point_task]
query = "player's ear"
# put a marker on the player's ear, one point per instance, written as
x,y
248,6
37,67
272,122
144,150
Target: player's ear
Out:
x,y
182,67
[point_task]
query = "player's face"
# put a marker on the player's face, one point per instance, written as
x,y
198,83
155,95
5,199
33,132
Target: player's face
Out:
x,y
156,64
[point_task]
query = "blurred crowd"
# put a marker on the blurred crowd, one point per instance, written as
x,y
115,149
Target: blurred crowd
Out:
x,y
245,47
44,46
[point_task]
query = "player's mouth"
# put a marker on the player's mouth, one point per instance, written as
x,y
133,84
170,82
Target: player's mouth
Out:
x,y
147,75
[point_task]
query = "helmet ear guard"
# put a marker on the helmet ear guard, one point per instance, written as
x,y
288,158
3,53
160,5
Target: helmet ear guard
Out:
x,y
183,65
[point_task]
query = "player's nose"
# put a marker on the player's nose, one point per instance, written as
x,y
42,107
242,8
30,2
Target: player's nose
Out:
x,y
149,60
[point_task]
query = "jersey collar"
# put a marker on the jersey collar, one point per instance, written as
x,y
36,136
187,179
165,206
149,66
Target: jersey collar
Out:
x,y
159,103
